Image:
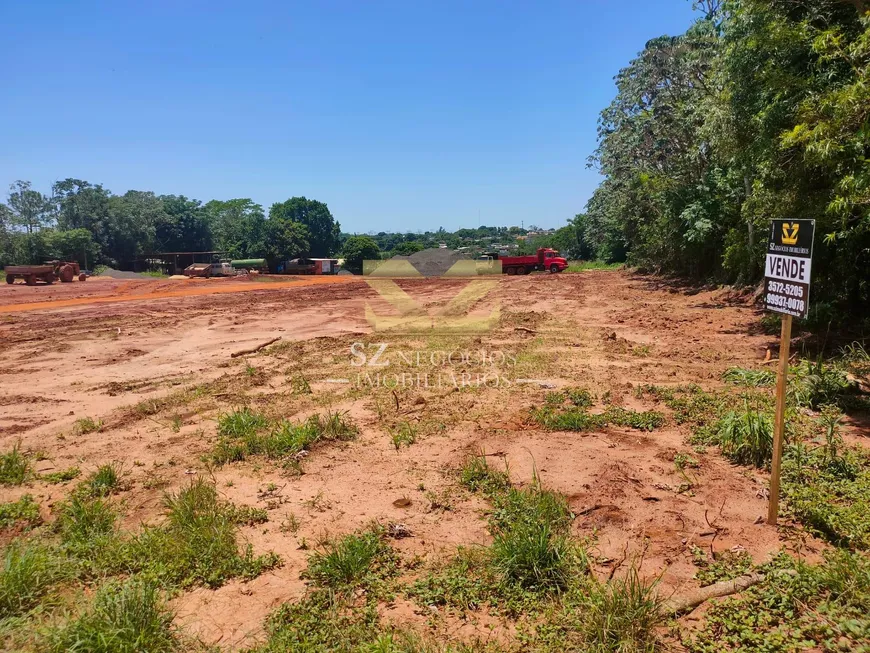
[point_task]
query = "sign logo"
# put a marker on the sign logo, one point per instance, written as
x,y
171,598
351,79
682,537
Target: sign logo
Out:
x,y
462,314
790,237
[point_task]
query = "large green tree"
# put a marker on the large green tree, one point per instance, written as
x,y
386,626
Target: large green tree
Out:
x,y
29,209
358,249
285,240
759,111
183,227
323,230
238,227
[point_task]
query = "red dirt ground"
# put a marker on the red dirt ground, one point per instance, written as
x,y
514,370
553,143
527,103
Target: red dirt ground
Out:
x,y
605,330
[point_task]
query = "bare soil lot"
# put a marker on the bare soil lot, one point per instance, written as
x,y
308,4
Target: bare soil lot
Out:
x,y
143,384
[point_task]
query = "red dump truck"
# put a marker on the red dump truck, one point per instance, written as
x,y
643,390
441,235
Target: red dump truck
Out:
x,y
546,259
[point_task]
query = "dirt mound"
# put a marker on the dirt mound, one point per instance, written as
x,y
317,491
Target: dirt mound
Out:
x,y
432,262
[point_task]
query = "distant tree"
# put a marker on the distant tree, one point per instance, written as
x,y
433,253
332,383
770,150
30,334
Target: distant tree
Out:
x,y
358,249
408,248
5,235
237,227
30,209
185,228
284,239
323,230
132,225
81,205
71,245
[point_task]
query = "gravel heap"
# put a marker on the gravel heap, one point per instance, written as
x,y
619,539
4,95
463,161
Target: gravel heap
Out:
x,y
432,262
120,274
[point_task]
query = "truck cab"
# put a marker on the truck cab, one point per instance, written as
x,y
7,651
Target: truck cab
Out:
x,y
222,269
550,260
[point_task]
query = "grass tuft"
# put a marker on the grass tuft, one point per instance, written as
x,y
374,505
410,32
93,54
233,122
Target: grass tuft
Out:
x,y
356,560
126,617
29,570
104,481
86,425
746,437
14,467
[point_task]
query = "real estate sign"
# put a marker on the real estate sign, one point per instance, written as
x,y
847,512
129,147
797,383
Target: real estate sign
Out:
x,y
788,265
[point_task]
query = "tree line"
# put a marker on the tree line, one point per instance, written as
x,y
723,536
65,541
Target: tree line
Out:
x,y
759,111
86,222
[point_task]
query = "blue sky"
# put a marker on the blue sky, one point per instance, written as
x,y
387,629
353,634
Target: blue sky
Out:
x,y
399,115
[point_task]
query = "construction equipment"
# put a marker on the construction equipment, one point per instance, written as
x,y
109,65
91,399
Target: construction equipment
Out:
x,y
51,271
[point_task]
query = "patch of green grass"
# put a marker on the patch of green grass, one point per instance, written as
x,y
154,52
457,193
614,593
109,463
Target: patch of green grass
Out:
x,y
579,397
62,476
478,476
749,378
125,617
24,511
830,495
403,435
242,436
620,616
582,266
356,560
299,385
14,467
823,607
578,419
197,544
690,403
85,425
322,622
30,570
247,515
533,556
241,424
82,520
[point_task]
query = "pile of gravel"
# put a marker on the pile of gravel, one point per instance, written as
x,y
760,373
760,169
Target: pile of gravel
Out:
x,y
120,274
432,262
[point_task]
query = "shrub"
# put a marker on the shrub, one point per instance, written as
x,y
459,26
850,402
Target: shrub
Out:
x,y
816,384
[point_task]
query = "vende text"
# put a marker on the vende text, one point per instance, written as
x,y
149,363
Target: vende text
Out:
x,y
789,268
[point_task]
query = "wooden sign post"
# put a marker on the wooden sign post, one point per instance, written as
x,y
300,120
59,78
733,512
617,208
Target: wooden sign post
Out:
x,y
786,291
